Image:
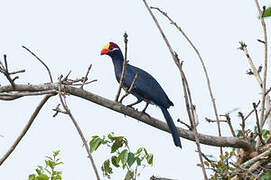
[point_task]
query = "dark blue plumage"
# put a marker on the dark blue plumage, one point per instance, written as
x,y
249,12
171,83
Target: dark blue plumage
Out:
x,y
146,87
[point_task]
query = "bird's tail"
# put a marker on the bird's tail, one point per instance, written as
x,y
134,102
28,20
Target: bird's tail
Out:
x,y
172,127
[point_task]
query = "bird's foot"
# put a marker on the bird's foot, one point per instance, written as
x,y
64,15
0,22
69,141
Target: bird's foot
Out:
x,y
144,113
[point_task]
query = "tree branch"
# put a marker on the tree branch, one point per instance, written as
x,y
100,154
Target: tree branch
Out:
x,y
115,106
203,66
123,67
27,126
47,68
65,106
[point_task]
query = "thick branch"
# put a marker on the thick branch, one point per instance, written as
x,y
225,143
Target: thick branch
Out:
x,y
115,106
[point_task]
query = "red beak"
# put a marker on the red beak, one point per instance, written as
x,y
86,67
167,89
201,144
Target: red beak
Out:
x,y
105,51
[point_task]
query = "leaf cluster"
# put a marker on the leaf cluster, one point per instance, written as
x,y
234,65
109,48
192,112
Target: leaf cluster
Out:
x,y
48,172
121,156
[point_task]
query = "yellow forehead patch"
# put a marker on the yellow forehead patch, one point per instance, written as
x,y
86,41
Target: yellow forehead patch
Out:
x,y
106,46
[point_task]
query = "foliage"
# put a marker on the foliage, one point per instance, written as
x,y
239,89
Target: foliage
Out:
x,y
266,176
121,156
223,168
267,12
48,172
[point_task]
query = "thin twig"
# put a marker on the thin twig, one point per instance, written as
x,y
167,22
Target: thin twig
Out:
x,y
258,124
243,124
214,121
185,124
202,63
27,126
86,76
63,102
243,47
230,124
130,89
4,70
247,116
190,110
123,67
49,72
265,59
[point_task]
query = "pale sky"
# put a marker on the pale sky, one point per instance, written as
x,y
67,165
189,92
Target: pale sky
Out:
x,y
69,35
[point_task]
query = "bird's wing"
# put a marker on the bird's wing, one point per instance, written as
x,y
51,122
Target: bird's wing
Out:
x,y
146,86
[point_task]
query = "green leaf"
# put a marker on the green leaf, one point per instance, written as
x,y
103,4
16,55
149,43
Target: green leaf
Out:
x,y
267,12
31,177
114,161
131,159
150,159
138,151
138,161
107,170
42,177
266,176
93,145
129,175
124,156
265,133
116,145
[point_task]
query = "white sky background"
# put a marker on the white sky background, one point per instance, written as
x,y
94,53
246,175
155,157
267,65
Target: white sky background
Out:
x,y
68,35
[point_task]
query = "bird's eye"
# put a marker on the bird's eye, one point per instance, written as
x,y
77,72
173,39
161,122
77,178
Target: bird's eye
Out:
x,y
110,48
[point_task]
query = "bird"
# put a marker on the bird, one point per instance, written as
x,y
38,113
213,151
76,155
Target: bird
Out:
x,y
146,88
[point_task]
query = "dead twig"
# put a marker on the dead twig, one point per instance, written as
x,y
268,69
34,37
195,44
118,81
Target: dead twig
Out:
x,y
255,72
5,71
86,77
243,124
130,89
203,66
189,127
228,119
27,126
260,12
191,114
259,129
49,72
123,67
65,106
201,61
247,116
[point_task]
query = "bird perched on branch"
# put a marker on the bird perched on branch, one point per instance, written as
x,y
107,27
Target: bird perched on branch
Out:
x,y
146,88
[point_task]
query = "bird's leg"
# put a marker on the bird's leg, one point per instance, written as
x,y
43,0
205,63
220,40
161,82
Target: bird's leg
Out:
x,y
138,101
145,108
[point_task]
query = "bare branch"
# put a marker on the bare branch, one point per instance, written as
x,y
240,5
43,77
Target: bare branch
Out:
x,y
27,126
265,59
115,106
255,72
63,102
123,67
4,70
130,89
202,63
86,76
247,116
257,158
258,124
191,114
49,72
228,119
243,124
16,95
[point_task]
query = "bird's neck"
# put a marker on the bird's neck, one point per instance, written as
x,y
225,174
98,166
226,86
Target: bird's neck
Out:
x,y
117,60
